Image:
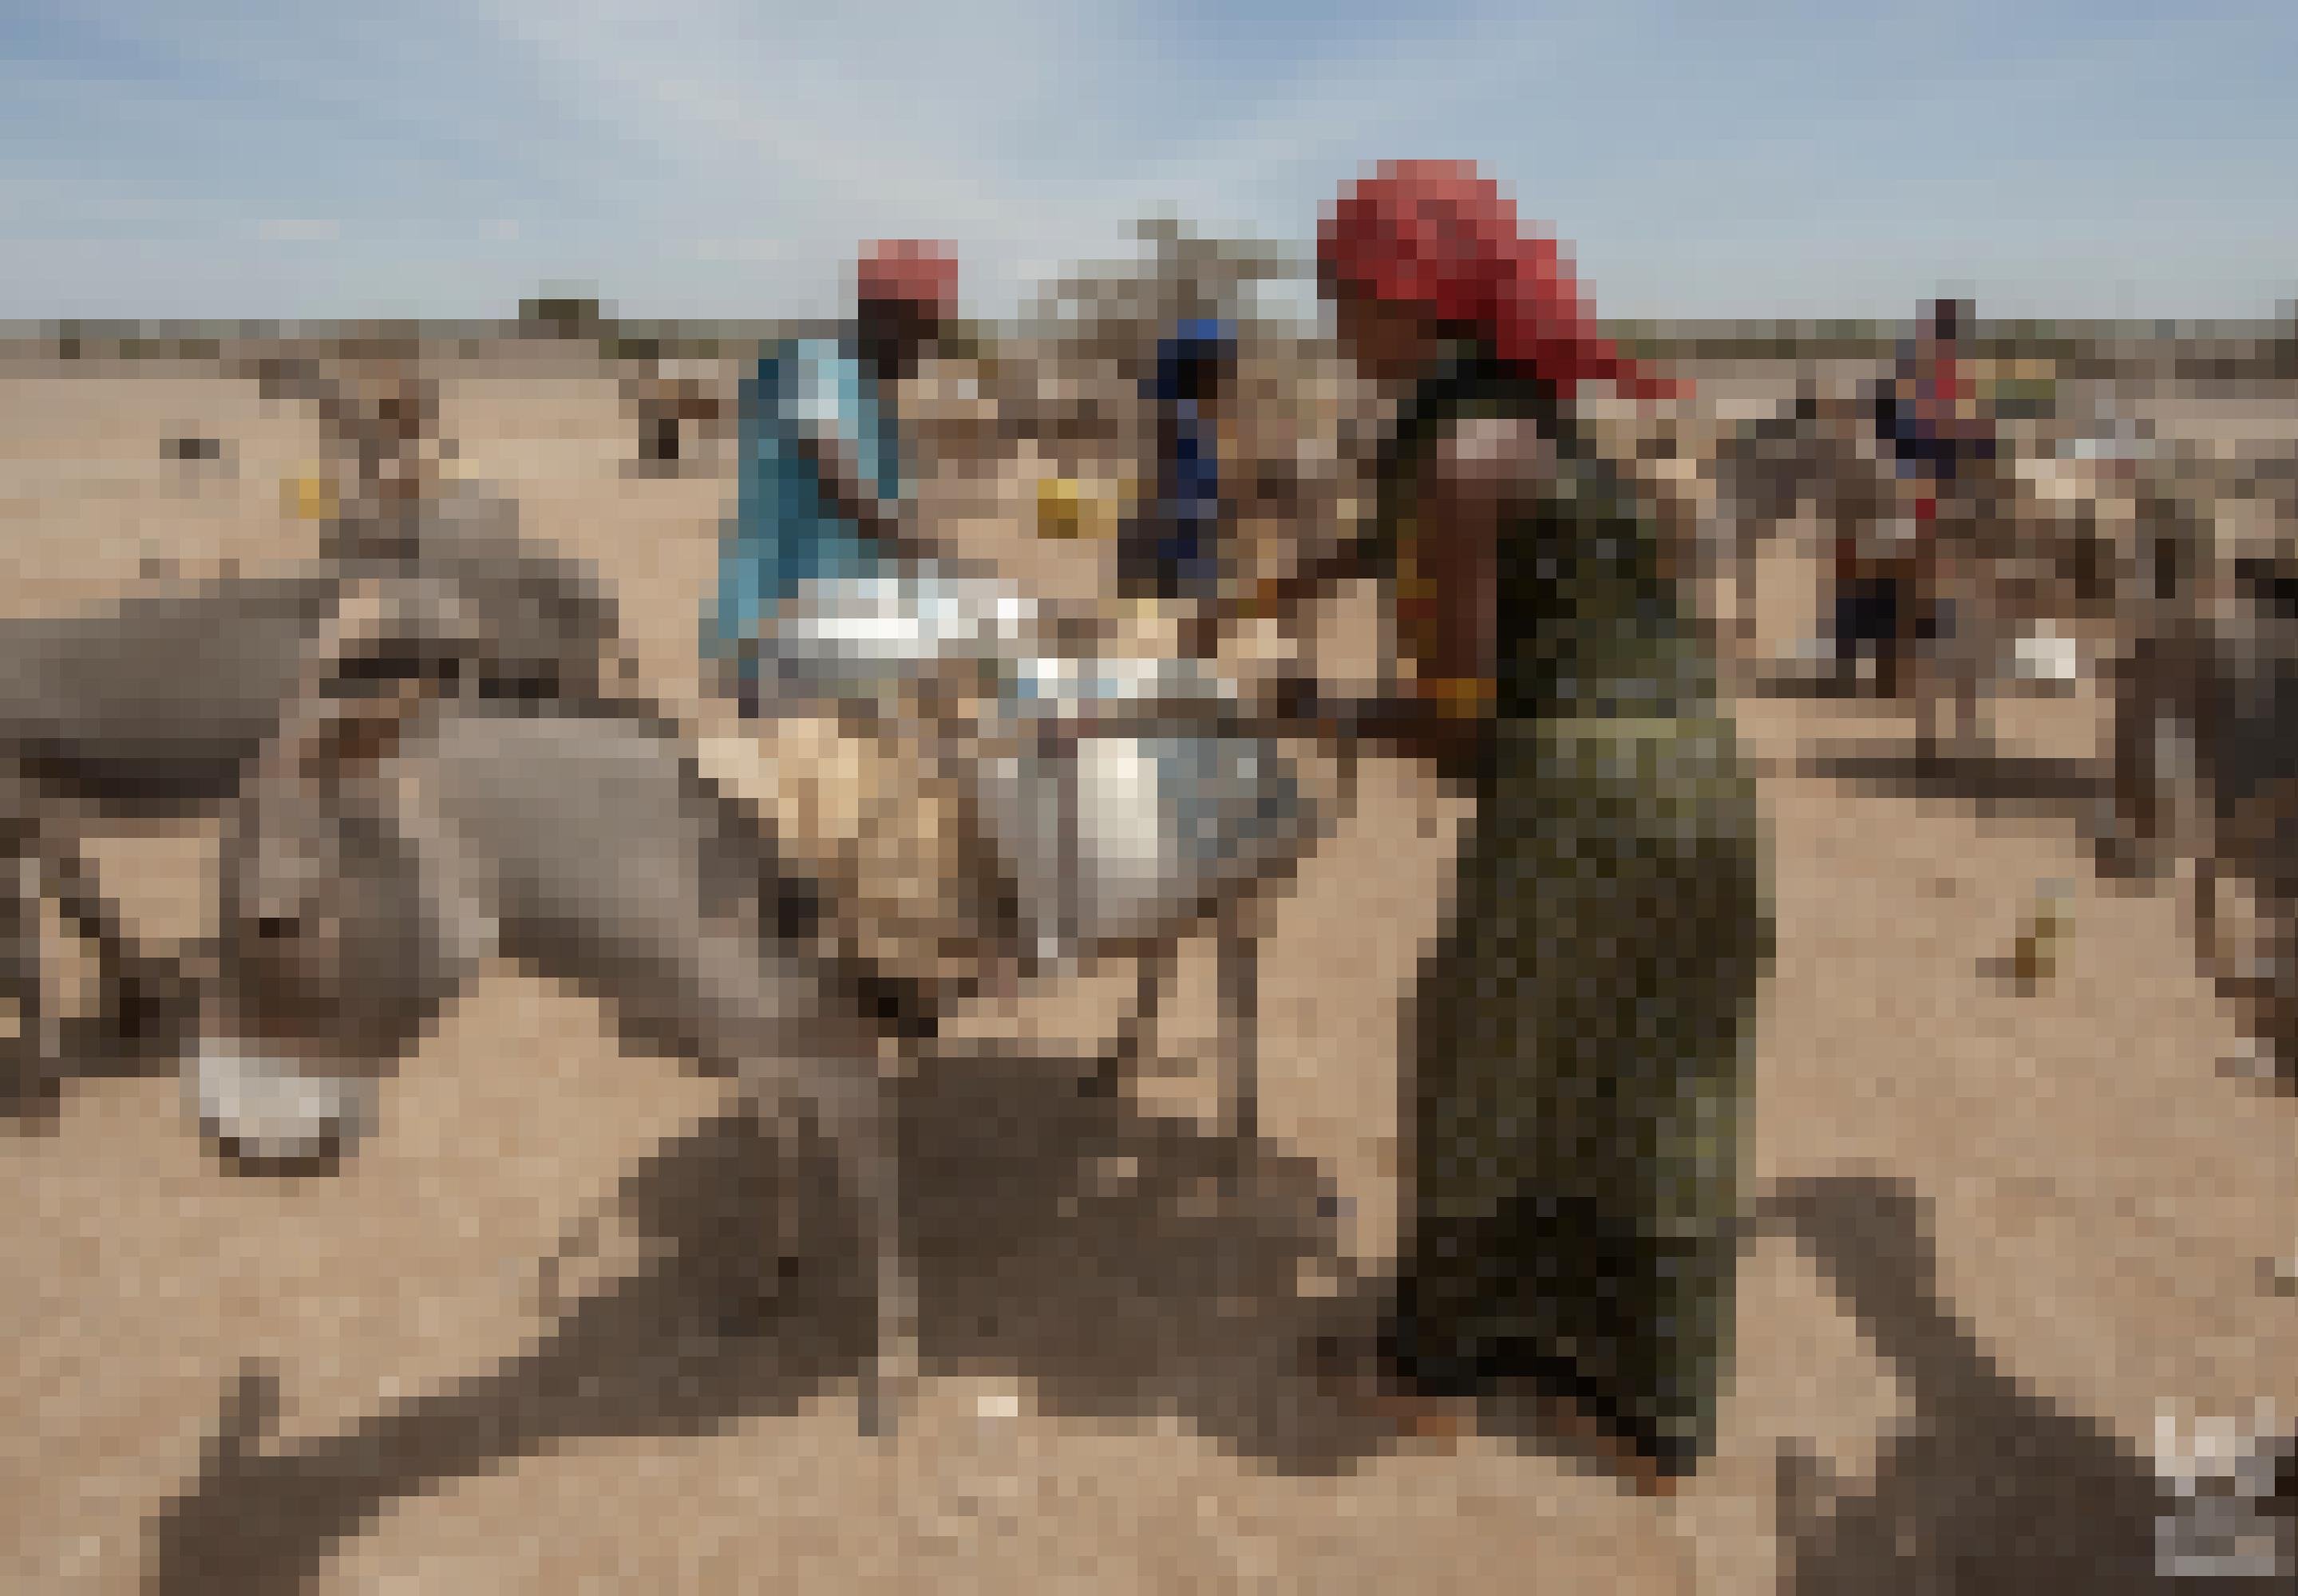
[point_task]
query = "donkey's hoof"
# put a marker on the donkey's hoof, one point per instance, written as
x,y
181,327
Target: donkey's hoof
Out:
x,y
2116,859
2252,1061
31,1095
880,1415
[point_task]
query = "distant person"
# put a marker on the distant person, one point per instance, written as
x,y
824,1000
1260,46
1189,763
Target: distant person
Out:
x,y
822,490
1579,1049
1172,549
1928,420
1883,574
1927,412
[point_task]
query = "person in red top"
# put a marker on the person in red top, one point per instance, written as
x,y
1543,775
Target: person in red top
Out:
x,y
1927,419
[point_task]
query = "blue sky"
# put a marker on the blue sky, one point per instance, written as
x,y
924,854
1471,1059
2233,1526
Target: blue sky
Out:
x,y
179,158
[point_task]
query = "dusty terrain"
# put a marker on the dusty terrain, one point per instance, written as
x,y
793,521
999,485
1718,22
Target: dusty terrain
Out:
x,y
2043,1214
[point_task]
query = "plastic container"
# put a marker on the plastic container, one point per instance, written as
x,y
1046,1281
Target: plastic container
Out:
x,y
1074,507
1060,508
308,496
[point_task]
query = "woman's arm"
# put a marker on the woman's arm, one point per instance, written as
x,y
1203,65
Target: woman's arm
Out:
x,y
1486,473
1482,474
1409,726
1286,595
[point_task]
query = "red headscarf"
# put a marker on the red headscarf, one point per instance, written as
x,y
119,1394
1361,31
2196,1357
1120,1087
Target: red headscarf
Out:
x,y
907,271
1438,236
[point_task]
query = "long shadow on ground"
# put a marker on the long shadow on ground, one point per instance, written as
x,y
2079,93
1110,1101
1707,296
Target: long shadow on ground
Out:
x,y
1990,1488
1066,1237
1129,1300
1994,784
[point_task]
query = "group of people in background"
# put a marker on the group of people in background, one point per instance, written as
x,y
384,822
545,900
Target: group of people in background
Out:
x,y
1576,1063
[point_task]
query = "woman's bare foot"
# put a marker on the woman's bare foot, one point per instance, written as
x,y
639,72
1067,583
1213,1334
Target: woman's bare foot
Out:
x,y
1352,1374
1564,1419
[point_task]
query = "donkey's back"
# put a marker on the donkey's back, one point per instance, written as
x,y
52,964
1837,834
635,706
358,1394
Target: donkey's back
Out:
x,y
165,695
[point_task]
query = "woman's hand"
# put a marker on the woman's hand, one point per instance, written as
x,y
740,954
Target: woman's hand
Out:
x,y
1408,725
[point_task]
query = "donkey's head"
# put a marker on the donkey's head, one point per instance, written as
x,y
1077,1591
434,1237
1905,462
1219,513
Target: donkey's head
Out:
x,y
344,928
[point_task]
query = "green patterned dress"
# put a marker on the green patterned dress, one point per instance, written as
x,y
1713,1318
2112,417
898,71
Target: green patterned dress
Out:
x,y
1581,1031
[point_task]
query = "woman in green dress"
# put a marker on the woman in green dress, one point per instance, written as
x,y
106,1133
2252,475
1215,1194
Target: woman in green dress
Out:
x,y
1580,1039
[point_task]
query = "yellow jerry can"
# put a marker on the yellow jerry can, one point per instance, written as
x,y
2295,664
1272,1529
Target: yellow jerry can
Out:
x,y
1079,508
309,496
1060,508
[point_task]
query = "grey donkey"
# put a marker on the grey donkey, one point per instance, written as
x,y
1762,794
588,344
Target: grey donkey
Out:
x,y
157,705
395,839
2205,741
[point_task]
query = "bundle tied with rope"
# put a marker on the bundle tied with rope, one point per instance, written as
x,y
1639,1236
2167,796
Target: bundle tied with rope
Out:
x,y
872,811
925,815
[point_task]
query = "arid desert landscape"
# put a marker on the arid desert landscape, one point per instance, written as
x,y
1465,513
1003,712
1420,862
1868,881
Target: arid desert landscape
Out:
x,y
2003,1233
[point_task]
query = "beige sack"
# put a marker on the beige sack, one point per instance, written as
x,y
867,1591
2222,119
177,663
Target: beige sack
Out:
x,y
891,838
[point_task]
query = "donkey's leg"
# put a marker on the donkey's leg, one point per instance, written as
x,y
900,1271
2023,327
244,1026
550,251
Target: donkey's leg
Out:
x,y
1130,1055
862,1126
143,995
28,1063
845,1099
1238,952
1967,686
1923,695
2134,820
2227,959
2278,1024
138,991
2251,974
807,1060
1745,546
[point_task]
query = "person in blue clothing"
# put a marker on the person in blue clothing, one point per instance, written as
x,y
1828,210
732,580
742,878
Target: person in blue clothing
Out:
x,y
1172,549
824,493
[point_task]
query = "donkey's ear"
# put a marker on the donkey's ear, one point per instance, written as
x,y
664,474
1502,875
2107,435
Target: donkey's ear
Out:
x,y
370,676
330,737
388,629
394,648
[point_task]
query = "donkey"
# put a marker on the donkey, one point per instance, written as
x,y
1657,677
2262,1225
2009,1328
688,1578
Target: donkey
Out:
x,y
158,703
1748,486
2205,742
1999,564
668,405
392,840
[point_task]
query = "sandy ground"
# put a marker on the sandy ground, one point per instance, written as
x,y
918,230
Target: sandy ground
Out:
x,y
2029,1223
